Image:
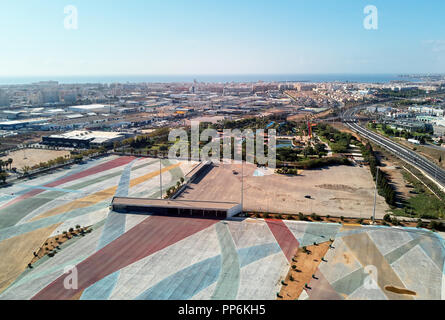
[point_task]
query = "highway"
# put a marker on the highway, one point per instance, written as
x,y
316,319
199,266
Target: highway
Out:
x,y
409,156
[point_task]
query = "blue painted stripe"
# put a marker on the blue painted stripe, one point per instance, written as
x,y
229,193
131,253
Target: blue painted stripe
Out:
x,y
16,230
54,189
82,167
115,224
251,254
113,229
319,232
188,282
228,281
102,289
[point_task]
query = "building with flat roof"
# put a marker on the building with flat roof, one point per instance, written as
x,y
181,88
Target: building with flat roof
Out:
x,y
21,124
97,108
181,208
84,139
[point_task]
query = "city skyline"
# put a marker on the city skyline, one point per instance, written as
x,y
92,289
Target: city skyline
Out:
x,y
230,38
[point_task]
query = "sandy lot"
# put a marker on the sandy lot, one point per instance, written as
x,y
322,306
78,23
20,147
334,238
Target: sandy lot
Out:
x,y
336,191
31,157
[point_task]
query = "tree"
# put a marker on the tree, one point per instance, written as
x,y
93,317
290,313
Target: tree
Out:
x,y
2,163
3,177
10,161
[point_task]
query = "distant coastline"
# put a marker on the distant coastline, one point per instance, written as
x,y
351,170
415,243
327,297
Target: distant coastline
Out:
x,y
318,78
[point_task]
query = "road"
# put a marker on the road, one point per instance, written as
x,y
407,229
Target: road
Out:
x,y
432,170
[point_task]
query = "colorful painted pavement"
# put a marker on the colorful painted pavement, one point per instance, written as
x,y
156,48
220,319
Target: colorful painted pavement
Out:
x,y
137,257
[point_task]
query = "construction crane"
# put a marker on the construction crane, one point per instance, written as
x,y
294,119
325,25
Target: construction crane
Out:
x,y
309,118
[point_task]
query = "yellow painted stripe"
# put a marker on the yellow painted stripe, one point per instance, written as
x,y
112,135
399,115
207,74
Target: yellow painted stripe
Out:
x,y
352,224
17,252
100,196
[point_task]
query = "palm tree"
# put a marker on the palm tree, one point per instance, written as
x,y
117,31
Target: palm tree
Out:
x,y
2,163
10,161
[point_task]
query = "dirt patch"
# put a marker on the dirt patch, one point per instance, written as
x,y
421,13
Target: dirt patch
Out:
x,y
53,244
32,157
302,270
400,291
290,194
337,187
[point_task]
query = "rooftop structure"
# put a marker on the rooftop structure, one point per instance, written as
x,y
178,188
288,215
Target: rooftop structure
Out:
x,y
91,108
84,139
190,208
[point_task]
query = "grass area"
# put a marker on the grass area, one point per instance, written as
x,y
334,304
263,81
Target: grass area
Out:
x,y
423,204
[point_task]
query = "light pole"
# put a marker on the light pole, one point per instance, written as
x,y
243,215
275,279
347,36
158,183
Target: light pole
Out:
x,y
160,175
375,195
242,185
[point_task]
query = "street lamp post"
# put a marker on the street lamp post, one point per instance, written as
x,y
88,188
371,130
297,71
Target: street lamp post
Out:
x,y
160,175
242,185
375,195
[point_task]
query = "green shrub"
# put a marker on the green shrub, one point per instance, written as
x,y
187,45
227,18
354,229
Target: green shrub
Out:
x,y
419,223
315,217
435,225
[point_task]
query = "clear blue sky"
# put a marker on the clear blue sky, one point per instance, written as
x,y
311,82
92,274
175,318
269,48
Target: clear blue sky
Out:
x,y
220,37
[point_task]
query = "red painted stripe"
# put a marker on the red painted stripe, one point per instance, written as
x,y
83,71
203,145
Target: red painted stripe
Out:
x,y
285,238
100,168
148,237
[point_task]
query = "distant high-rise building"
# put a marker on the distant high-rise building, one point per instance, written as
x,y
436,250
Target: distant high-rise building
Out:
x,y
50,95
4,98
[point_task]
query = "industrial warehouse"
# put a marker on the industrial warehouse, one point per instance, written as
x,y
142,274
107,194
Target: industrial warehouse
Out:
x,y
84,139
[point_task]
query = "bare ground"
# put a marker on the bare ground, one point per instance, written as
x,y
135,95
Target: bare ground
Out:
x,y
337,191
32,157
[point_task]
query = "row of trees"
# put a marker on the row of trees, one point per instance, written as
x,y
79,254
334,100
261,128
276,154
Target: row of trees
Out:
x,y
293,155
172,190
338,141
384,186
314,164
77,157
49,164
420,135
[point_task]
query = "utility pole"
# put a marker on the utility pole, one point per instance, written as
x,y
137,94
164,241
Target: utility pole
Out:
x,y
375,195
160,175
242,185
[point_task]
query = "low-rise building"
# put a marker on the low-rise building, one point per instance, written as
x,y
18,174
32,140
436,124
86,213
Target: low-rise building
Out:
x,y
84,139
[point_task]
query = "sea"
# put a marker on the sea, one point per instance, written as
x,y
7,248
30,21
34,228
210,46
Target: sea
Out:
x,y
315,78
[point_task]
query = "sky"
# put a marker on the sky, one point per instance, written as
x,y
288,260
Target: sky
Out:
x,y
174,37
